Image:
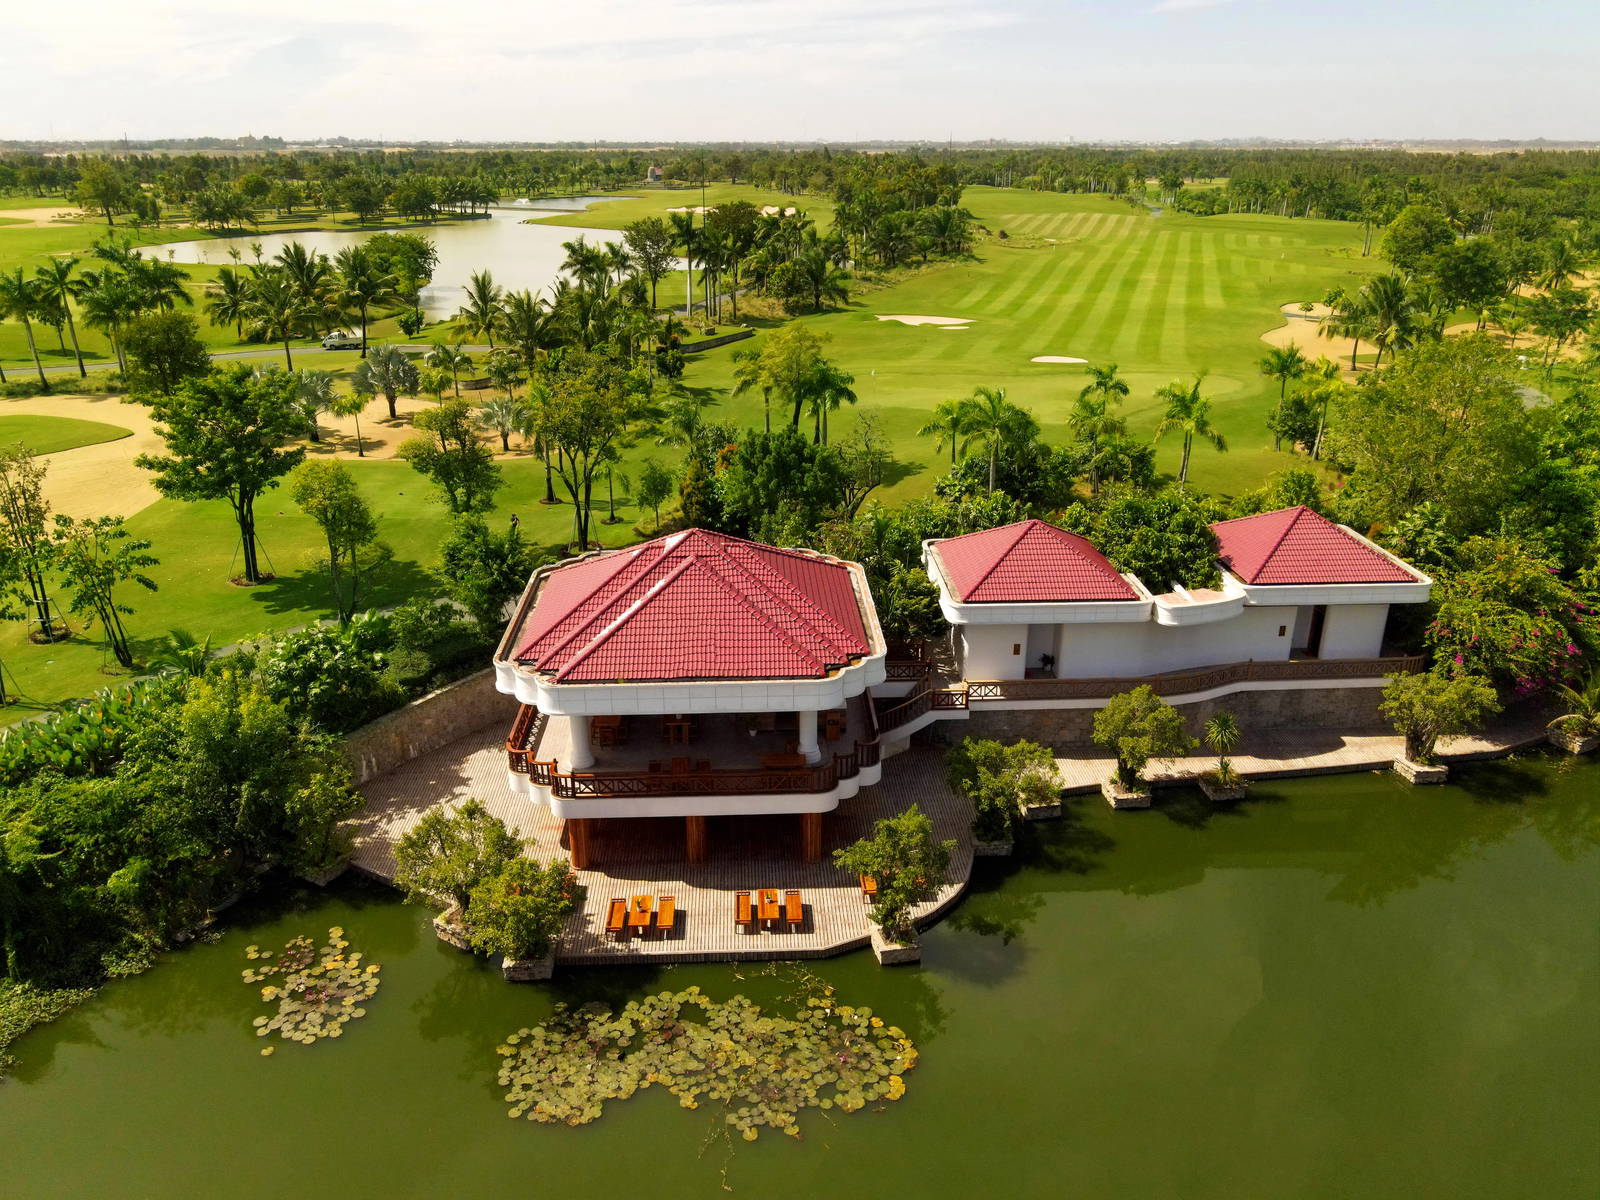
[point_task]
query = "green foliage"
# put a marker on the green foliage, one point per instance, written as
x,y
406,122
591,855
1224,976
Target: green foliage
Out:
x,y
317,991
448,452
1222,735
163,349
447,855
335,675
1000,780
909,865
483,571
1138,726
1581,700
24,1007
326,492
1429,705
1503,613
85,738
828,1055
1415,235
780,478
698,498
1162,537
94,557
518,911
655,485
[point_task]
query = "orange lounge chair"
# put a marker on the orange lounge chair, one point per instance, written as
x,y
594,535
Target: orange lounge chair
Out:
x,y
743,913
666,914
869,887
794,909
617,917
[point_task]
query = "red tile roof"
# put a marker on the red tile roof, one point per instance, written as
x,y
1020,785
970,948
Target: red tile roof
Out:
x,y
1298,546
1030,562
695,605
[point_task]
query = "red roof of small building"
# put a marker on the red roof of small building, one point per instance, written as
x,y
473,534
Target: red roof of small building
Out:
x,y
695,605
1029,562
1298,546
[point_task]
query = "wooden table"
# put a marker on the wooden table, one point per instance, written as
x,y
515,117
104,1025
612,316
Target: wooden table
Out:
x,y
769,906
639,912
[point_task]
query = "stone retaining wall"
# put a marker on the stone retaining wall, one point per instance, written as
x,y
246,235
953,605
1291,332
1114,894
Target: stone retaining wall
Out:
x,y
1346,708
426,724
726,339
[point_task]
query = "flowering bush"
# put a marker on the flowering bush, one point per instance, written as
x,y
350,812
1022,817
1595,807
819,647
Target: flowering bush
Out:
x,y
1505,614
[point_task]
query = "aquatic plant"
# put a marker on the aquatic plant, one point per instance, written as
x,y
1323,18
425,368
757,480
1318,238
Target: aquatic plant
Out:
x,y
320,989
762,1069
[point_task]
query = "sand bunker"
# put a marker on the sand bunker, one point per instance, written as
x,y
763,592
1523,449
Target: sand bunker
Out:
x,y
694,208
1056,358
772,210
909,319
41,216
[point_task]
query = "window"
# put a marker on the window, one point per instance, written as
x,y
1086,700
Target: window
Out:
x,y
1016,647
1282,629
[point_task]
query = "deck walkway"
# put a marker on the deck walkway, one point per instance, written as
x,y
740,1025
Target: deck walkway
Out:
x,y
647,856
1285,753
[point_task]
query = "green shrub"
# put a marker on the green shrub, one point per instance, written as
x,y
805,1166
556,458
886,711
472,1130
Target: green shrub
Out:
x,y
336,676
999,780
518,912
1137,726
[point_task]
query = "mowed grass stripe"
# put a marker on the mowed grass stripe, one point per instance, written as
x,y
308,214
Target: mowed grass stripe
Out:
x,y
998,303
1077,300
1114,301
1174,344
1210,273
1147,318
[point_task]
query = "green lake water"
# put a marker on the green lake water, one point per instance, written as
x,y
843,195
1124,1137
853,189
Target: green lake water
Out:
x,y
1345,987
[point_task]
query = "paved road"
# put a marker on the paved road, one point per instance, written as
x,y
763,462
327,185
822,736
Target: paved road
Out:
x,y
27,371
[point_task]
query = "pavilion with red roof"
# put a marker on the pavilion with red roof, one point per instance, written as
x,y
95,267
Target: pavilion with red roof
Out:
x,y
1030,600
694,675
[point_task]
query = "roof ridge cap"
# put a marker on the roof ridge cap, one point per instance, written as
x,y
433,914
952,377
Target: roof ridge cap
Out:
x,y
611,627
642,565
814,615
1295,512
1023,528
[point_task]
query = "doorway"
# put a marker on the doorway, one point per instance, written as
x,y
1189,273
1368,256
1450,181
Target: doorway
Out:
x,y
1310,633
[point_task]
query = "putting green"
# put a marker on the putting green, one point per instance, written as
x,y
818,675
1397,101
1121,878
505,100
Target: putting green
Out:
x,y
48,435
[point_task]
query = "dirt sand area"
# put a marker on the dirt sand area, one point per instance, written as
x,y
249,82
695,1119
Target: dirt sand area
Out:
x,y
40,216
98,480
1056,358
912,319
1306,332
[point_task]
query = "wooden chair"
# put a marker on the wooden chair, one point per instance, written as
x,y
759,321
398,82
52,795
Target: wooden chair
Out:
x,y
666,915
869,887
680,766
833,724
744,914
794,909
617,918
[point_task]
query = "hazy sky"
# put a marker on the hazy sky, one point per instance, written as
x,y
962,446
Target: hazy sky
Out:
x,y
824,69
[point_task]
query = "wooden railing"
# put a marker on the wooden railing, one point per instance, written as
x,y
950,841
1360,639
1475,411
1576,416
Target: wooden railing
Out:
x,y
906,670
1177,683
928,700
546,773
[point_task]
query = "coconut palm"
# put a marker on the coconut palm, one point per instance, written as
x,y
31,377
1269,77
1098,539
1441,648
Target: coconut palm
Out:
x,y
1091,417
1512,323
277,311
816,269
1562,260
362,284
748,374
587,264
831,388
388,371
684,235
19,298
1391,313
994,421
1282,363
309,270
109,301
527,327
1188,413
352,405
1348,318
449,358
55,284
158,283
482,314
228,300
948,424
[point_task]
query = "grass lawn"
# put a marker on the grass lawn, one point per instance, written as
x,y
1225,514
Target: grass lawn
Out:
x,y
654,202
46,435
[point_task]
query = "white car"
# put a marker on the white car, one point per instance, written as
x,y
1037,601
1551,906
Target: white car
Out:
x,y
342,339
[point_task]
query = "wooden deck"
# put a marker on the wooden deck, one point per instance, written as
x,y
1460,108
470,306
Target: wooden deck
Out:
x,y
647,856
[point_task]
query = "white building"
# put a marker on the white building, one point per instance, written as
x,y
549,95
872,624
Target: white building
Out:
x,y
1031,601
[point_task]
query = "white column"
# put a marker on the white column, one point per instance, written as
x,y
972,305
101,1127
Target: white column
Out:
x,y
808,735
578,735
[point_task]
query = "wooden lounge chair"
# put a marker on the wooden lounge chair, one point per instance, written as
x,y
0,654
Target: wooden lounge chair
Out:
x,y
794,909
617,918
743,912
869,887
666,914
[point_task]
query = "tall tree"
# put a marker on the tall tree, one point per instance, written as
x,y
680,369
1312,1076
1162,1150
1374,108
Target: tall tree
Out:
x,y
96,556
1188,413
19,298
585,416
25,533
388,371
278,311
449,358
225,434
947,424
481,314
55,284
326,491
1282,363
163,349
228,299
1092,418
447,450
651,243
995,422
363,284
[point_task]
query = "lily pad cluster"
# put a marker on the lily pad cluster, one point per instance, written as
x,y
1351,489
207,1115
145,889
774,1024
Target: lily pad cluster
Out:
x,y
762,1069
318,991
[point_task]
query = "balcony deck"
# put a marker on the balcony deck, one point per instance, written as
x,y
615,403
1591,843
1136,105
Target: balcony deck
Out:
x,y
647,856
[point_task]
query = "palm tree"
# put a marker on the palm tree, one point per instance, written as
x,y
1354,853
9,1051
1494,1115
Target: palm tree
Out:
x,y
158,283
449,358
994,421
1282,363
526,324
228,300
828,390
351,406
362,284
181,653
314,393
822,277
1511,322
1091,417
390,371
948,424
749,374
481,314
1562,260
505,415
19,298
1189,413
1222,735
684,235
1349,319
55,284
109,302
1391,312
277,309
